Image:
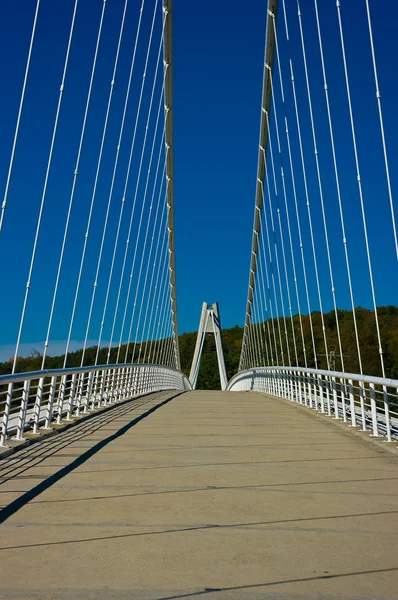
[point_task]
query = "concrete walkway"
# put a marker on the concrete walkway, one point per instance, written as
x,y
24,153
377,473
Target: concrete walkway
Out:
x,y
205,494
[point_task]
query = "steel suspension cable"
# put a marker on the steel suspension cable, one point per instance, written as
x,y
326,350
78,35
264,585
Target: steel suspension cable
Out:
x,y
272,275
163,307
121,278
115,245
143,202
148,223
309,212
263,303
298,218
275,246
110,197
264,296
156,263
21,103
162,321
76,171
339,198
150,258
286,207
93,195
364,221
321,198
381,121
46,178
158,287
292,174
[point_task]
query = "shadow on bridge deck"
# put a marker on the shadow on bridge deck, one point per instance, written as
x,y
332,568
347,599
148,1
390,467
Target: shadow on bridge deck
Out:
x,y
213,494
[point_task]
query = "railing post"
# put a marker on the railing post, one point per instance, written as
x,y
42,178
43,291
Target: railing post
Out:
x,y
88,391
22,411
37,407
61,395
94,392
327,381
321,394
115,387
301,387
103,376
362,400
105,387
6,415
79,394
50,403
373,409
387,413
336,406
342,392
308,397
71,398
352,403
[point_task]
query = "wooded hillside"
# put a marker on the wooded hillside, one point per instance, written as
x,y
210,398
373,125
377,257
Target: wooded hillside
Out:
x,y
232,339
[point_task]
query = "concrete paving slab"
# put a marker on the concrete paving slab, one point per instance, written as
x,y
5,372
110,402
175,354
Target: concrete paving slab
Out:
x,y
210,494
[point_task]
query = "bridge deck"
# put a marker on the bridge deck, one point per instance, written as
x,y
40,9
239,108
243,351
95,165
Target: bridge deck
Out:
x,y
234,492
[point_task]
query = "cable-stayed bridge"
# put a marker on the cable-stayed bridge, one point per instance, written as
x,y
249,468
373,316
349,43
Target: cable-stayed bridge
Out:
x,y
224,494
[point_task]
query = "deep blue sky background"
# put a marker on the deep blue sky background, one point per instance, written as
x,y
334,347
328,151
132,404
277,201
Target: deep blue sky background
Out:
x,y
218,64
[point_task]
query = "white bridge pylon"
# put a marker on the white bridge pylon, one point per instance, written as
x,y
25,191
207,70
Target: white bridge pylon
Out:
x,y
209,323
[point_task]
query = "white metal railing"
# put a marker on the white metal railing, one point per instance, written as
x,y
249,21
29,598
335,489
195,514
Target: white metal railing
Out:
x,y
368,402
38,398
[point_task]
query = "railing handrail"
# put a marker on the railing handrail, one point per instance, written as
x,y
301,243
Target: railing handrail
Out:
x,y
29,375
354,376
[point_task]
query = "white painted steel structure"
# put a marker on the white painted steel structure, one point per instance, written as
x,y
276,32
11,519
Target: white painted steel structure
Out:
x,y
42,398
367,402
314,208
209,323
101,198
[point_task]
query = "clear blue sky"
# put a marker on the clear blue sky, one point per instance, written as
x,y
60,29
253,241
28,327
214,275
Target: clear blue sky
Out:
x,y
218,63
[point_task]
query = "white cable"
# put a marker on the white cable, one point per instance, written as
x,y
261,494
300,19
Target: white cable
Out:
x,y
324,220
115,245
298,219
257,333
16,132
148,223
93,195
99,261
286,206
161,320
276,257
365,227
309,212
272,277
124,262
145,281
267,316
292,173
160,334
76,171
337,179
378,96
156,263
138,235
157,289
44,192
149,296
265,268
263,302
263,352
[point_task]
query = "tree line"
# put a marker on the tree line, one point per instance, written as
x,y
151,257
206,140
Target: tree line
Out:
x,y
208,377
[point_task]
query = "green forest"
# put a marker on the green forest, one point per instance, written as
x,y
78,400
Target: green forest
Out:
x,y
232,339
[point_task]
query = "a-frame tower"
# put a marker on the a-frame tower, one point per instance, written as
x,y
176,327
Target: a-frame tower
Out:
x,y
209,323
